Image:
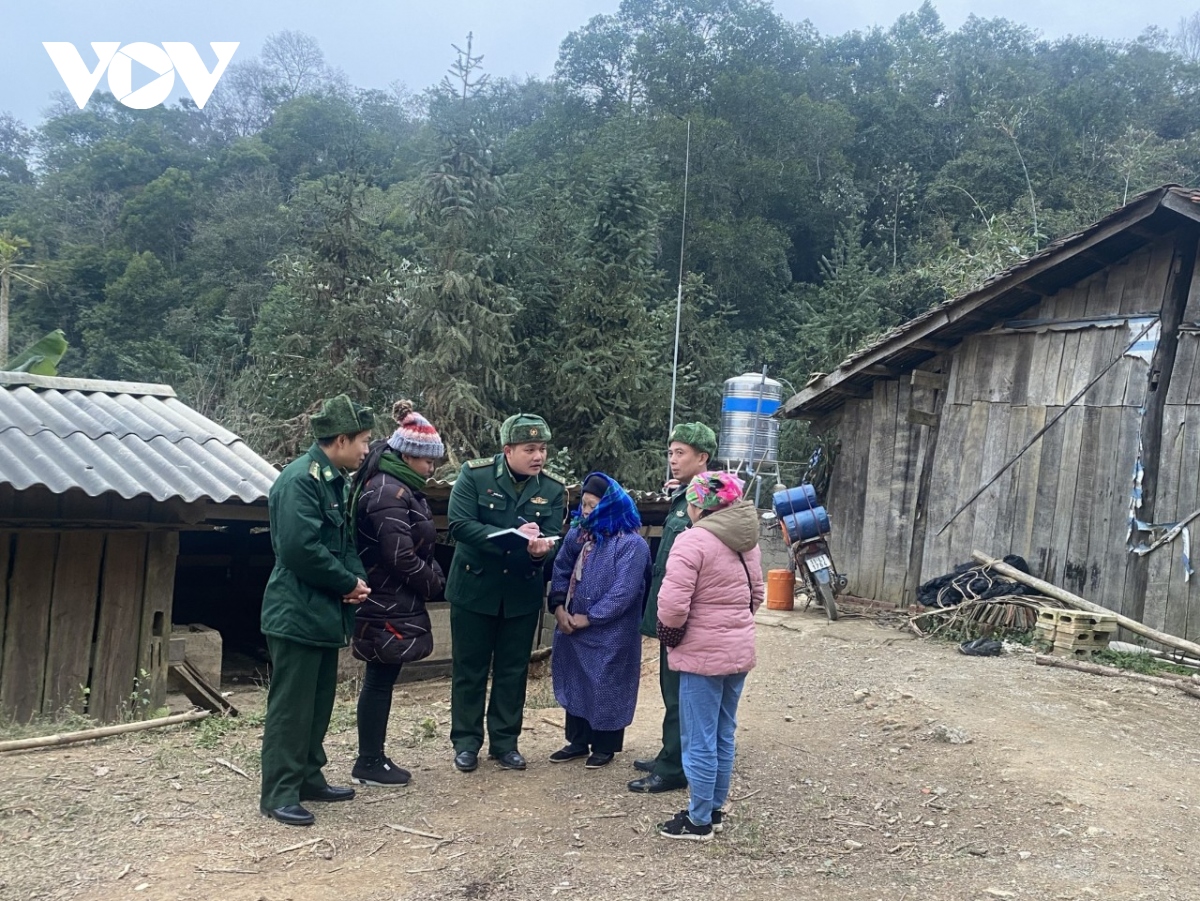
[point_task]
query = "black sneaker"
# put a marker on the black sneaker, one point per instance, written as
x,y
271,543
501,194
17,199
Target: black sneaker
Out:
x,y
718,822
683,827
598,760
569,752
380,771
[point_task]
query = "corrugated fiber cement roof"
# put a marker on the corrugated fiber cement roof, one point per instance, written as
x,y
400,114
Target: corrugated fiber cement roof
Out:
x,y
121,437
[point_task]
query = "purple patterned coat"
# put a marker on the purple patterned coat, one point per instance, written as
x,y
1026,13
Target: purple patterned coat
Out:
x,y
597,669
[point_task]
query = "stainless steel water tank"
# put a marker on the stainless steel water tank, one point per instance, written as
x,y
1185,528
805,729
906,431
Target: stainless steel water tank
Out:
x,y
748,433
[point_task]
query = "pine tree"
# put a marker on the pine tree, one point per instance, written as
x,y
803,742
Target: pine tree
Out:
x,y
461,345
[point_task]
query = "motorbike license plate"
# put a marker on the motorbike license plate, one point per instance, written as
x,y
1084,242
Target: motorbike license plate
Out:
x,y
819,562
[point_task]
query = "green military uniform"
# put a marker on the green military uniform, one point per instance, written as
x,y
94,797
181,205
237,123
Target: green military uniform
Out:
x,y
304,617
495,594
669,762
668,765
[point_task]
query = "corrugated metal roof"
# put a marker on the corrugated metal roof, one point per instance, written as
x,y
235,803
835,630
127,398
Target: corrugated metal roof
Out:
x,y
120,437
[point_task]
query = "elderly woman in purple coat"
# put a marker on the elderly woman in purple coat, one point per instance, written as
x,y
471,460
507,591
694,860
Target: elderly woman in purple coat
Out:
x,y
600,579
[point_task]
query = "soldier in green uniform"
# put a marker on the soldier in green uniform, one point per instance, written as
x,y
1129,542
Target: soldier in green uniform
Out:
x,y
308,608
690,446
495,591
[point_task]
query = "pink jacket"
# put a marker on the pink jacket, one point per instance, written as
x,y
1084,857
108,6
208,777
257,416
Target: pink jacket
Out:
x,y
706,587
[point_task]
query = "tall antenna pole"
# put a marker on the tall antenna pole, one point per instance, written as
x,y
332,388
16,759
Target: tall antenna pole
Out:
x,y
687,159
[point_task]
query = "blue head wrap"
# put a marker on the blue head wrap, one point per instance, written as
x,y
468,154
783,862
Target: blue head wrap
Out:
x,y
615,513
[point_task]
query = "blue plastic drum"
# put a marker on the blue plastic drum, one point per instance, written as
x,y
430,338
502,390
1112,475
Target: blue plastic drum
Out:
x,y
806,524
794,500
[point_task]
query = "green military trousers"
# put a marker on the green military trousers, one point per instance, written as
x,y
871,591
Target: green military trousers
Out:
x,y
299,705
668,765
481,643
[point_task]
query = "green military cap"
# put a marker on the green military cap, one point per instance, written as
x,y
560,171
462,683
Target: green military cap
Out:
x,y
698,435
523,428
342,416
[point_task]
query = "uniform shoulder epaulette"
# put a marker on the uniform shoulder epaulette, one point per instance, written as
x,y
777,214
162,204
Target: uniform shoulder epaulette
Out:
x,y
479,463
554,477
314,470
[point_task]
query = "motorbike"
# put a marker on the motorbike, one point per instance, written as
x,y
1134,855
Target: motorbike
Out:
x,y
813,561
806,530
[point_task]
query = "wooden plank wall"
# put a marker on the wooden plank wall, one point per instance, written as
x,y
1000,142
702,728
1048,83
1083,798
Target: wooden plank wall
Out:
x,y
1064,505
873,494
1173,602
27,626
82,614
7,540
72,618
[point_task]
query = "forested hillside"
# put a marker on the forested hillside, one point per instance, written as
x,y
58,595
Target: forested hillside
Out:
x,y
487,245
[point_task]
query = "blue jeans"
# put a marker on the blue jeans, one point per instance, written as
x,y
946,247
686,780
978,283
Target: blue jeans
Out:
x,y
708,720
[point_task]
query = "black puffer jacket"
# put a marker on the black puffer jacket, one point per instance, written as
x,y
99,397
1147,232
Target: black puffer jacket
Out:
x,y
396,537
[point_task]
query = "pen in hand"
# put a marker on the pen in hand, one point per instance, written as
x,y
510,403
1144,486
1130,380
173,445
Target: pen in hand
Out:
x,y
523,521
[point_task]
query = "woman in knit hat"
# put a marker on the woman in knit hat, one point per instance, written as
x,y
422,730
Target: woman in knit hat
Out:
x,y
706,607
396,538
600,578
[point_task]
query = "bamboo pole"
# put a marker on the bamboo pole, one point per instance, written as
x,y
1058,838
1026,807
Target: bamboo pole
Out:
x,y
1060,594
66,738
1100,670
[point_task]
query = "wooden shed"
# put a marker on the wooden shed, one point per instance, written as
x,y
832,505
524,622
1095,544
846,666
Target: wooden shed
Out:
x,y
97,481
927,415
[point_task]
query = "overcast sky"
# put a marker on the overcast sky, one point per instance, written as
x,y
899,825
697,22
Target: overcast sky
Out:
x,y
376,42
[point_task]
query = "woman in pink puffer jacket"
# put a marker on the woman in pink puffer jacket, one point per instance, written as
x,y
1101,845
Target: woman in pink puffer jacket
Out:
x,y
706,608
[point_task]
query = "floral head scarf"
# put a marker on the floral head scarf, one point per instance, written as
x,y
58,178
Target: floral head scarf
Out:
x,y
714,490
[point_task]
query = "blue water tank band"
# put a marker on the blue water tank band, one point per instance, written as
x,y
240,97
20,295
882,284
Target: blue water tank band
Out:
x,y
767,406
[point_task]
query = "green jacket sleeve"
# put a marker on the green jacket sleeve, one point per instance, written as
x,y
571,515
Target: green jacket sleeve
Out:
x,y
296,536
463,513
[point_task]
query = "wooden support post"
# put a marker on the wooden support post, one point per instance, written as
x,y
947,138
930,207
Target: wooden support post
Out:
x,y
155,632
916,552
1162,365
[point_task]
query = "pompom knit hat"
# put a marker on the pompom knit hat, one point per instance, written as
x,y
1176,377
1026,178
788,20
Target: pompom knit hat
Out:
x,y
414,435
714,490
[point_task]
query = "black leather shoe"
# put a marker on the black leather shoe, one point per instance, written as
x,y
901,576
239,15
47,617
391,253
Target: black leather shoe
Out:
x,y
466,761
290,815
653,784
509,760
329,793
644,766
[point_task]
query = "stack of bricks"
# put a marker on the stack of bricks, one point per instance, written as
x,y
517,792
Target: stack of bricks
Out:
x,y
1075,633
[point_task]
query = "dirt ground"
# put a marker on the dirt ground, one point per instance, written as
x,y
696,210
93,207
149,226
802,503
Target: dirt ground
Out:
x,y
870,766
